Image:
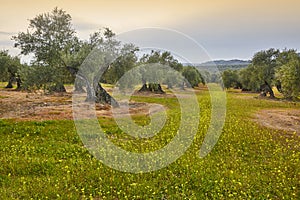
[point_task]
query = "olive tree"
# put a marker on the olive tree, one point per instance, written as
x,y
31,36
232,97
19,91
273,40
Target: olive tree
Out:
x,y
9,66
163,59
50,39
288,74
260,74
193,76
231,79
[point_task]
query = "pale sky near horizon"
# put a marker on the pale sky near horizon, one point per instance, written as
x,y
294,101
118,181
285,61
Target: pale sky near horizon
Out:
x,y
226,29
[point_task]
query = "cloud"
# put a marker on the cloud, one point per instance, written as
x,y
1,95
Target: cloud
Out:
x,y
84,26
5,39
6,43
4,33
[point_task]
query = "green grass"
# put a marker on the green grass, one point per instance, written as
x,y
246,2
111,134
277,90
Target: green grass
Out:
x,y
46,160
3,84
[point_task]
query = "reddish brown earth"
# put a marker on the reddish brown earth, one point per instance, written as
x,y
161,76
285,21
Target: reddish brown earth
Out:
x,y
280,119
25,106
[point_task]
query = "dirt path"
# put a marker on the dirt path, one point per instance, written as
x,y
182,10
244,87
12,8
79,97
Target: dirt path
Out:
x,y
26,106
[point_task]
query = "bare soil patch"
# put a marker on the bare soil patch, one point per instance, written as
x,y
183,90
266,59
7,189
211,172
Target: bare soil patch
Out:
x,y
280,119
37,106
151,94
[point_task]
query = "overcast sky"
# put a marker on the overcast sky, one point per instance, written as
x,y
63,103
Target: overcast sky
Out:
x,y
226,29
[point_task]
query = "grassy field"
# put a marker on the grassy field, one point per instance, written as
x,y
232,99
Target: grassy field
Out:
x,y
47,160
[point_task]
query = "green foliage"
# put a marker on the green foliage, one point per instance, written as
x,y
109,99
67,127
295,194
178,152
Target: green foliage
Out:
x,y
126,61
230,79
168,75
9,66
193,76
248,78
42,77
260,71
288,74
51,39
268,68
48,37
55,46
172,78
163,58
4,60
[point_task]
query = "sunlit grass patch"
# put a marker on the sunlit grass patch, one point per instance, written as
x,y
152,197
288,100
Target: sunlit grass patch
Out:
x,y
3,84
3,97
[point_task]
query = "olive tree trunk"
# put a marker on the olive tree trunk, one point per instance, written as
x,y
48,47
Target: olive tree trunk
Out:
x,y
10,82
152,87
95,92
267,89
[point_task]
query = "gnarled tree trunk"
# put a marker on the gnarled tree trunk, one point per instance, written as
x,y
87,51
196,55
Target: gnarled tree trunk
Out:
x,y
182,86
96,92
144,88
101,96
10,82
58,87
19,83
267,89
152,87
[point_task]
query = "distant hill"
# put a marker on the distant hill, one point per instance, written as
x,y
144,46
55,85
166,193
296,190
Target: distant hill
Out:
x,y
225,63
234,64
